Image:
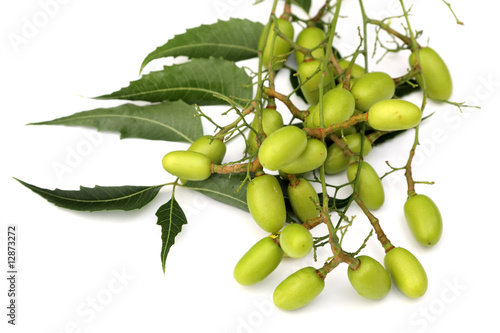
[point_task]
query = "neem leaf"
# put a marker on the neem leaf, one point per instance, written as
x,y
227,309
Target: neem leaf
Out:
x,y
304,4
171,217
200,81
99,198
235,40
169,121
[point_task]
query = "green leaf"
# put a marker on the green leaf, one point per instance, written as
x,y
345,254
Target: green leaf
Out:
x,y
235,40
222,188
200,81
169,121
99,198
406,88
170,218
294,81
304,4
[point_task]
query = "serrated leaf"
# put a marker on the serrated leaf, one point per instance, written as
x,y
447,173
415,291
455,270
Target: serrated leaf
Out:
x,y
99,198
236,39
200,81
222,188
171,217
168,121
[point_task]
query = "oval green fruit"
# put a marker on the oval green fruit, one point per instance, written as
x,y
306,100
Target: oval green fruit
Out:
x,y
281,147
435,73
310,38
356,70
406,272
338,106
336,161
298,289
187,165
424,219
302,197
370,188
211,147
276,49
311,158
266,203
370,279
372,88
394,115
258,262
272,120
295,240
310,78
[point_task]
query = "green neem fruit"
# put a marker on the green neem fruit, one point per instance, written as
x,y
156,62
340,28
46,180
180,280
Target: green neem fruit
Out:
x,y
310,77
266,203
272,120
370,279
187,165
435,73
424,219
281,147
371,88
356,71
303,197
310,38
258,262
298,289
213,148
406,272
336,161
394,115
338,106
296,241
276,48
311,158
370,188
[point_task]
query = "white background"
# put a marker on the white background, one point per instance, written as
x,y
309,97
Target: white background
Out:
x,y
101,272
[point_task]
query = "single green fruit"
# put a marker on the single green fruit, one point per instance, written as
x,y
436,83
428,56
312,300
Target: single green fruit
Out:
x,y
272,120
338,106
394,115
336,161
372,88
266,203
281,147
302,197
298,289
187,165
258,262
356,71
370,188
370,279
213,148
435,73
311,158
424,219
310,38
295,240
276,49
310,78
406,272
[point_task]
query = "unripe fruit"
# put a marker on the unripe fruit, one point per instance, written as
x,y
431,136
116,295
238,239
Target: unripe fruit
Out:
x,y
281,147
276,48
295,240
338,106
311,158
310,79
298,289
266,203
187,165
370,279
302,197
258,262
356,71
310,38
435,73
370,188
406,272
371,88
424,219
394,115
336,161
272,120
213,148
